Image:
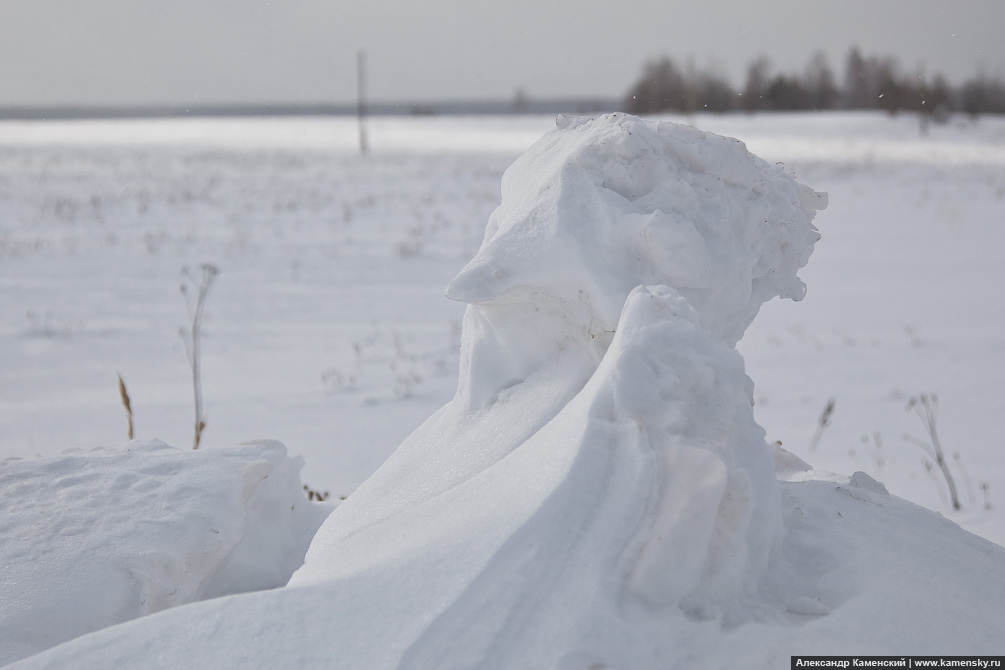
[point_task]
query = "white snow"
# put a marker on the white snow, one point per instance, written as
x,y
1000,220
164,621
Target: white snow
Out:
x,y
91,539
597,493
587,215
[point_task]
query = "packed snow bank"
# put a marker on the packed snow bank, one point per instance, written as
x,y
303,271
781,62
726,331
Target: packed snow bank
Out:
x,y
91,539
858,572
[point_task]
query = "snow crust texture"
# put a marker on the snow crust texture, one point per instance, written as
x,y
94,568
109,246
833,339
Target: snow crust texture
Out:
x,y
91,539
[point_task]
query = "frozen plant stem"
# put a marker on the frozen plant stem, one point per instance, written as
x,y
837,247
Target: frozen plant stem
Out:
x,y
124,396
966,477
209,274
824,421
926,407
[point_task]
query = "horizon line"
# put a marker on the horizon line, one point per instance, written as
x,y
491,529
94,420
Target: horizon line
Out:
x,y
482,106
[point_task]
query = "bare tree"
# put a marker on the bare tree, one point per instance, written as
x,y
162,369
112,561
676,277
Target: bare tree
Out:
x,y
758,73
661,88
858,84
819,83
869,82
786,93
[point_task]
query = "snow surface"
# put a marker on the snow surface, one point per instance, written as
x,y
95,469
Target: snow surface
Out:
x,y
589,213
518,554
91,539
328,329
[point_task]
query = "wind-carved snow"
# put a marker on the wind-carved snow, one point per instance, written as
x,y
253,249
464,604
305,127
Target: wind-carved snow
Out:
x,y
635,396
597,493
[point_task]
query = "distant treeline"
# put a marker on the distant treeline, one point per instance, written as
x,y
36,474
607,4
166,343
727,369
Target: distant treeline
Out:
x,y
867,83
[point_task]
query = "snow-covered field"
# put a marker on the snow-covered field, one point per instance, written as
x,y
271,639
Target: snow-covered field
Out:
x,y
328,328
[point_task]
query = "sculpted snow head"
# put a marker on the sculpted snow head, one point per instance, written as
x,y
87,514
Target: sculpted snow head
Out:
x,y
600,206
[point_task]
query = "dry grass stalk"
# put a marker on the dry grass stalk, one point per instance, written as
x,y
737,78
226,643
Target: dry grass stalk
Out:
x,y
822,423
192,342
926,407
313,495
124,396
967,483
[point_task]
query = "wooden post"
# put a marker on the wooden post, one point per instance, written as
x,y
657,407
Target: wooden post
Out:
x,y
361,99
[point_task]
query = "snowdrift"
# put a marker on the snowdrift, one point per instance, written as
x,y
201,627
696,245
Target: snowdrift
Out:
x,y
588,214
597,494
91,539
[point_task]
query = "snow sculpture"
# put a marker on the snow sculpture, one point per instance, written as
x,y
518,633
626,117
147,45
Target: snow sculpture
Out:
x,y
594,397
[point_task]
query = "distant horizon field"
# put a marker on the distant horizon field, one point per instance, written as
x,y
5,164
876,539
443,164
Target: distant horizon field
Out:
x,y
327,328
280,109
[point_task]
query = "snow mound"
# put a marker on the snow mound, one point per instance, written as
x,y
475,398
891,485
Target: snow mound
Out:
x,y
646,494
601,440
593,210
91,539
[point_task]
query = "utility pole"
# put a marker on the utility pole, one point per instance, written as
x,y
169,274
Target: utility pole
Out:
x,y
361,99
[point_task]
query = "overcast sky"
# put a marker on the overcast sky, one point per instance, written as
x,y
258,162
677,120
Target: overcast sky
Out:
x,y
227,51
